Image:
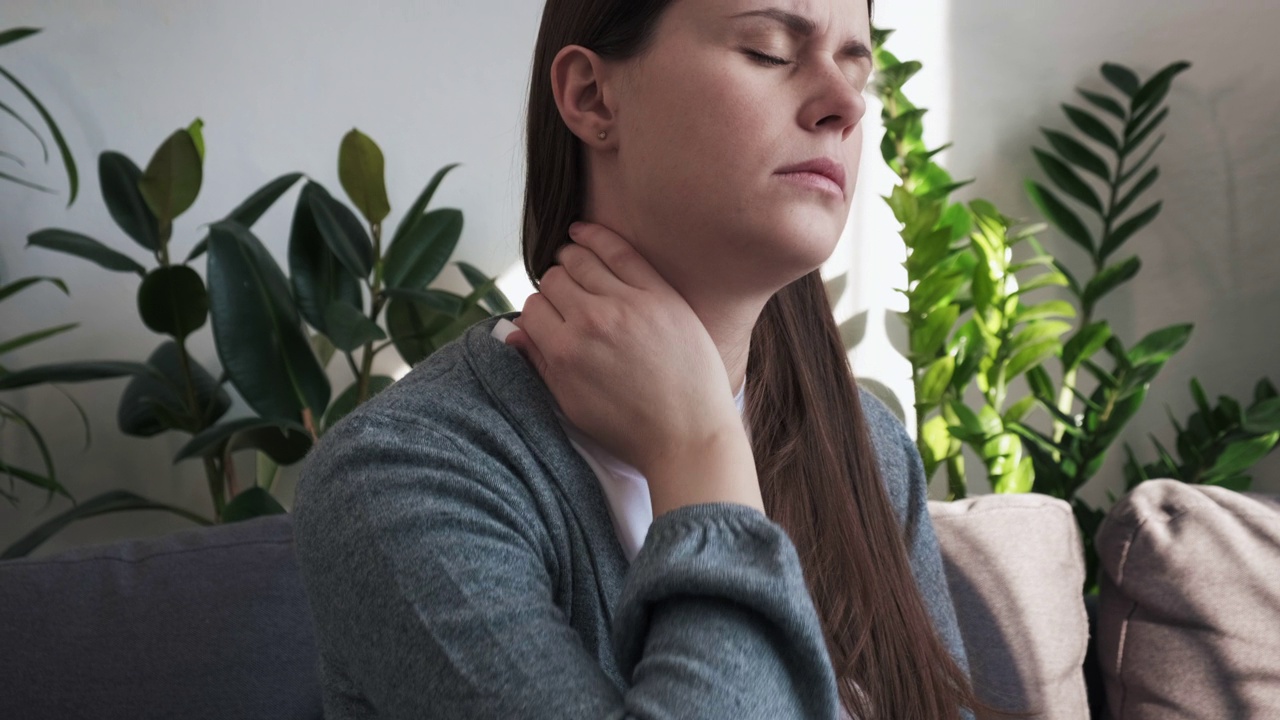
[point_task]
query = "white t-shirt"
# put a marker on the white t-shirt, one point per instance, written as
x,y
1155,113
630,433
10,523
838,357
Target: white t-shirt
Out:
x,y
625,488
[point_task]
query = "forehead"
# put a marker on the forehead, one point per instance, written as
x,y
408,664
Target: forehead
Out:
x,y
840,20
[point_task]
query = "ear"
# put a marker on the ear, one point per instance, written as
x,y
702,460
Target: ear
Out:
x,y
579,81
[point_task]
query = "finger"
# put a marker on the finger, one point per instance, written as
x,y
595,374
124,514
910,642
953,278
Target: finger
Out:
x,y
585,267
621,257
563,292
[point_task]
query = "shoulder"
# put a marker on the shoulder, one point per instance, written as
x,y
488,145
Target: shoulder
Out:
x,y
896,454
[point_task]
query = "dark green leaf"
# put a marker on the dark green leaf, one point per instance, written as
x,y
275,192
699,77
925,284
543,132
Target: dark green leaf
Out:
x,y
1109,279
1067,180
1263,417
1091,126
361,172
346,402
1136,141
286,439
1240,456
1077,154
1160,345
1158,86
1122,234
317,276
16,34
172,301
68,162
417,329
18,286
257,328
34,337
1122,77
172,180
1060,215
1105,103
348,328
497,302
1146,182
118,177
1137,168
438,300
412,217
1041,385
110,502
341,230
251,503
85,247
415,260
156,402
72,372
253,207
1085,343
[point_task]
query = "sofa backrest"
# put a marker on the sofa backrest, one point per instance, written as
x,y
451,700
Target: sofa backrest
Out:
x,y
1189,608
1015,568
203,623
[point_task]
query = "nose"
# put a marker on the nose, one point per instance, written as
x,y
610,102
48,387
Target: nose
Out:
x,y
836,103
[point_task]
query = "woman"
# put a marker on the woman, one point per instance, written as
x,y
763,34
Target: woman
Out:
x,y
662,496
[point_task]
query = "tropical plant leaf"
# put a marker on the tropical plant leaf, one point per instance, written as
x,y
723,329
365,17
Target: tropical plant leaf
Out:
x,y
119,179
419,205
252,208
106,503
1122,234
1060,215
1124,79
361,172
172,301
1067,180
18,286
156,402
318,277
1077,154
341,230
1091,126
85,247
71,372
1109,279
34,337
258,330
68,162
251,503
417,258
172,179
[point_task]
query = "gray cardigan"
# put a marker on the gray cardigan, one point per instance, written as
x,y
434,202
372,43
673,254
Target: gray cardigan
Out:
x,y
460,562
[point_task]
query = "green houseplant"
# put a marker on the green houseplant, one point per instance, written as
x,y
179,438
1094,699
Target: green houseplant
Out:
x,y
968,321
275,333
7,37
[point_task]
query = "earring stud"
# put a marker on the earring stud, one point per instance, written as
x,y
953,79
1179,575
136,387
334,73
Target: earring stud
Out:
x,y
603,135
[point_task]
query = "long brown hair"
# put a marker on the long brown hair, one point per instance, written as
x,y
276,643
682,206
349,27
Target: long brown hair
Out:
x,y
815,460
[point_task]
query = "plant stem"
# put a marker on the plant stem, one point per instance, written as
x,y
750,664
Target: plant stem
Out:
x,y
376,301
212,475
1066,396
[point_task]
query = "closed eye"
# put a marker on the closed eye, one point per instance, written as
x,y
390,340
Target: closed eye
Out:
x,y
766,59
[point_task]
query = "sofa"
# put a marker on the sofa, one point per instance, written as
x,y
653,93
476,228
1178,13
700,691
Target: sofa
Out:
x,y
213,622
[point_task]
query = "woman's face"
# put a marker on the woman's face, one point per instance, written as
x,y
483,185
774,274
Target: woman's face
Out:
x,y
730,93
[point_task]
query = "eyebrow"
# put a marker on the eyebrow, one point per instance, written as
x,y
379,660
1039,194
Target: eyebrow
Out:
x,y
804,27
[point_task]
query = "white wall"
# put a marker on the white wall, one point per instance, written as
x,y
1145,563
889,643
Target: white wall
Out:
x,y
434,82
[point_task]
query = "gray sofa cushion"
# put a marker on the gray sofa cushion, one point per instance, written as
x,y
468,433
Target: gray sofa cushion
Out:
x,y
207,623
1015,567
1189,609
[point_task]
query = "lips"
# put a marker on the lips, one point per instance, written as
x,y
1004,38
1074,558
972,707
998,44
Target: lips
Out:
x,y
823,166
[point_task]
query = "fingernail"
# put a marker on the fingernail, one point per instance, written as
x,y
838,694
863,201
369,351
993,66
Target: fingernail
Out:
x,y
574,227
